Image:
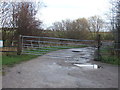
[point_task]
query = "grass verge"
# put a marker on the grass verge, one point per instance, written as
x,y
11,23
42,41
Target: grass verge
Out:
x,y
107,56
10,60
111,60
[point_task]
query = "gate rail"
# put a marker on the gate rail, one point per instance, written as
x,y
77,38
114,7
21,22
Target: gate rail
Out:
x,y
34,45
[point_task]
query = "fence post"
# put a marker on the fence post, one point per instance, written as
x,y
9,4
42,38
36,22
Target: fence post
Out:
x,y
19,48
97,53
99,46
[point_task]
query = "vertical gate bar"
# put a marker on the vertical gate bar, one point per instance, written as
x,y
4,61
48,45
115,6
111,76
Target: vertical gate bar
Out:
x,y
39,42
19,49
22,44
31,45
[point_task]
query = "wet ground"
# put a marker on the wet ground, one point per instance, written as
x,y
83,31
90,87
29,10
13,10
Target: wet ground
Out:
x,y
58,70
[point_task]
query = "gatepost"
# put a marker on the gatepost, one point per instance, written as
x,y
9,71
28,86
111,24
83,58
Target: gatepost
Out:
x,y
98,47
97,52
19,48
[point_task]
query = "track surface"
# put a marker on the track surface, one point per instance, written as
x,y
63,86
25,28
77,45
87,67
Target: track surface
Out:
x,y
56,70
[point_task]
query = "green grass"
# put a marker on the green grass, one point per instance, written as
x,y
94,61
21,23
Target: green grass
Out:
x,y
12,59
107,56
0,62
111,60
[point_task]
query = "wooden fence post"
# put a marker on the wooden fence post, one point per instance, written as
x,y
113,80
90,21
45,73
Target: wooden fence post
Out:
x,y
97,52
19,48
99,46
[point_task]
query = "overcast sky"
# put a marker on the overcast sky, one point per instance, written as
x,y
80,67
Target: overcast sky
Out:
x,y
58,10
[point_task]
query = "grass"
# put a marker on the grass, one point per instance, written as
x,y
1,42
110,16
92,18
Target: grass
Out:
x,y
12,59
0,60
107,56
111,60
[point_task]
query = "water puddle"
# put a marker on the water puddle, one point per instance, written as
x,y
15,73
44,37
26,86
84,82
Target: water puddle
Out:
x,y
76,50
79,57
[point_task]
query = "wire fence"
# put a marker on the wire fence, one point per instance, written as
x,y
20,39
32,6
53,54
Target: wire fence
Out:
x,y
107,51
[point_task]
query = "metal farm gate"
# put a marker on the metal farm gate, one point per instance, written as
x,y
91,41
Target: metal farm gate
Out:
x,y
40,45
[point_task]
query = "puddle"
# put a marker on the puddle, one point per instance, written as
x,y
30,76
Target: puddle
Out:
x,y
80,59
88,66
82,54
76,51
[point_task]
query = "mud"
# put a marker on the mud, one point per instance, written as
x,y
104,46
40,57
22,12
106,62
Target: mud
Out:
x,y
57,70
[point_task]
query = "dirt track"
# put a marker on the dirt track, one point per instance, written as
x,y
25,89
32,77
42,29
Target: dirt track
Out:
x,y
56,70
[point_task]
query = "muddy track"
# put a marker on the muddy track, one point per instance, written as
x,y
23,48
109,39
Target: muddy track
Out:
x,y
57,70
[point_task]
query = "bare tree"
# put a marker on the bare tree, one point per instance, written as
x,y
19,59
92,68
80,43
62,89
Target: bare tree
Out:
x,y
116,26
75,29
78,29
18,18
7,21
95,25
25,19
